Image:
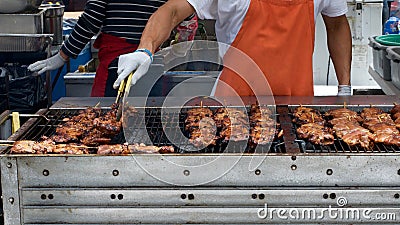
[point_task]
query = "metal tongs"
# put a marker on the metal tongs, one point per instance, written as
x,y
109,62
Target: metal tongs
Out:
x,y
124,88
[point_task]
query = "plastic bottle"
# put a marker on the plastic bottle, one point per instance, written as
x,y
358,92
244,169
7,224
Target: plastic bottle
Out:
x,y
391,26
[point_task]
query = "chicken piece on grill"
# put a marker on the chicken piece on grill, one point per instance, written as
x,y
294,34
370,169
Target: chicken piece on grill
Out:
x,y
386,138
372,111
108,123
47,147
263,128
70,149
201,127
395,112
303,115
353,134
341,120
204,136
95,137
123,149
24,147
233,123
342,112
316,133
371,120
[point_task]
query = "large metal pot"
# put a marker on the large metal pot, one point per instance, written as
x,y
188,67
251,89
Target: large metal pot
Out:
x,y
16,6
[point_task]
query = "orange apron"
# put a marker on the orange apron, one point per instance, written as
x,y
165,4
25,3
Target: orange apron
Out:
x,y
278,36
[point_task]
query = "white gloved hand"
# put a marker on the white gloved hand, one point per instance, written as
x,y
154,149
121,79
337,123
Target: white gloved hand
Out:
x,y
139,61
51,63
344,90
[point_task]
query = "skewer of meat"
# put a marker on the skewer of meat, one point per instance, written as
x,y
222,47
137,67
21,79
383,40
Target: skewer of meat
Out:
x,y
233,124
201,127
263,128
303,115
316,133
123,149
381,125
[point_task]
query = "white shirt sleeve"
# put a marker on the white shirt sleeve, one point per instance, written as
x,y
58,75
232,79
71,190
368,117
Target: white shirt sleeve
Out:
x,y
205,9
334,8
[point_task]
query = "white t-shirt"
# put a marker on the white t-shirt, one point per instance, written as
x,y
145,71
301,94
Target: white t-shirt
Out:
x,y
229,14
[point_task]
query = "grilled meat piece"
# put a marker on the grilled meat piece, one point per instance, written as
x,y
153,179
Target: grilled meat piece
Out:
x,y
303,115
342,112
123,149
263,128
371,120
315,133
386,138
372,111
47,147
353,134
233,123
201,127
89,127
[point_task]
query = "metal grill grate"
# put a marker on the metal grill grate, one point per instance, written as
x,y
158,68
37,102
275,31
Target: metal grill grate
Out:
x,y
157,128
339,145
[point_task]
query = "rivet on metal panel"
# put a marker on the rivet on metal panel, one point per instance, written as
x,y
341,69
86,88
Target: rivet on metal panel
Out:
x,y
257,172
254,196
183,196
329,172
332,196
115,173
11,200
9,165
293,167
50,196
46,173
43,197
294,157
261,196
120,196
190,196
113,196
396,196
325,196
186,172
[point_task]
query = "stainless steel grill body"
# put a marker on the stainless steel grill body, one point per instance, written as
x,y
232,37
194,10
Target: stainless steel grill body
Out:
x,y
92,189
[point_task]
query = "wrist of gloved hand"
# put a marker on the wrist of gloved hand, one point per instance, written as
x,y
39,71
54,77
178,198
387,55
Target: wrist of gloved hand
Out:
x,y
344,90
51,63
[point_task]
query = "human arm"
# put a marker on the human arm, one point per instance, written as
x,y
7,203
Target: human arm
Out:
x,y
157,30
87,26
340,47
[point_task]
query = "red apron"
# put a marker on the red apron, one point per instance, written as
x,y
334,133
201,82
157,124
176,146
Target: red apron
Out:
x,y
110,47
278,36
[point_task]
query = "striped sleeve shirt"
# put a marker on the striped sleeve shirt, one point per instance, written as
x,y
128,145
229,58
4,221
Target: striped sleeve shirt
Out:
x,y
121,18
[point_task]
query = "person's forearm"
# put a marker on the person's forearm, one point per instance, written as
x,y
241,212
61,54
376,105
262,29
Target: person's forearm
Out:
x,y
340,47
162,22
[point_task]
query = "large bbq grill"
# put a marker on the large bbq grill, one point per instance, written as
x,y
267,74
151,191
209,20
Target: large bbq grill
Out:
x,y
293,175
